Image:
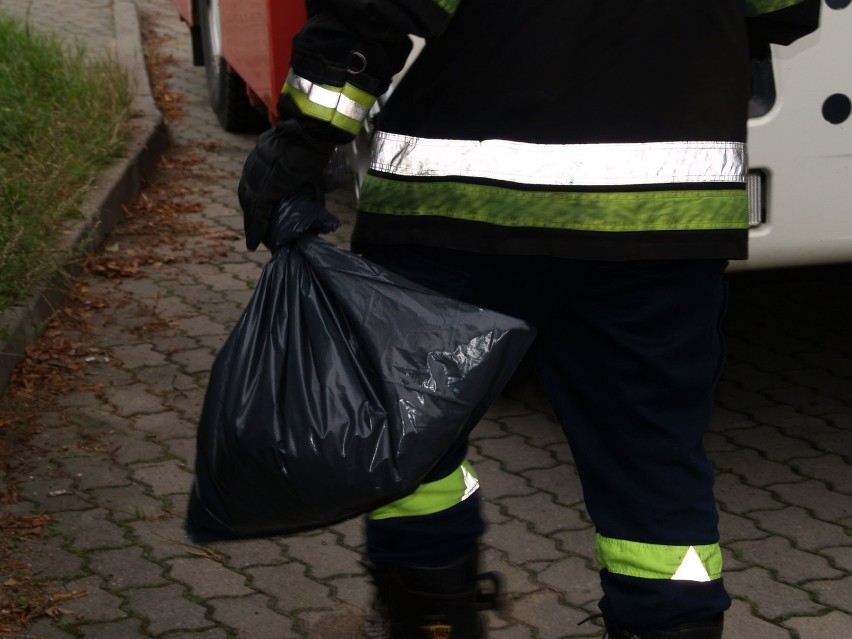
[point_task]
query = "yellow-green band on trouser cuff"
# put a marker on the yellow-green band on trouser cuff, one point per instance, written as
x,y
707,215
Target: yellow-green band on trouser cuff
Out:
x,y
657,561
434,496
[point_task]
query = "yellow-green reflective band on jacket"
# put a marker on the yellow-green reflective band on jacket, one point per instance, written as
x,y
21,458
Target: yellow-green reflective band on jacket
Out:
x,y
612,164
759,7
434,496
344,107
656,561
580,211
449,6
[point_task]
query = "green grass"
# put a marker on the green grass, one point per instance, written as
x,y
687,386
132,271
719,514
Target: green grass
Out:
x,y
63,117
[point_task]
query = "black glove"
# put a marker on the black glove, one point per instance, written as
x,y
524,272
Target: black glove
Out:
x,y
303,212
283,159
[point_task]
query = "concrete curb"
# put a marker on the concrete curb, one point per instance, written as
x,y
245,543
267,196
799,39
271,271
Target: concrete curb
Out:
x,y
102,206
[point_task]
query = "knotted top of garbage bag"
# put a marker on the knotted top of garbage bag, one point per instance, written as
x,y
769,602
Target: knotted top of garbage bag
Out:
x,y
303,212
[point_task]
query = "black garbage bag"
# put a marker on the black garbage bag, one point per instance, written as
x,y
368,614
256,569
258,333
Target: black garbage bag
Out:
x,y
339,388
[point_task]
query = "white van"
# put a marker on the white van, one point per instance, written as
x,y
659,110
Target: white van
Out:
x,y
800,148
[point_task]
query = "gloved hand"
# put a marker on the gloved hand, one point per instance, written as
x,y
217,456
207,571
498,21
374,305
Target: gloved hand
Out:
x,y
303,212
283,159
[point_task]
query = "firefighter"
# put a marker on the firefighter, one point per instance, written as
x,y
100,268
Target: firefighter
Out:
x,y
580,165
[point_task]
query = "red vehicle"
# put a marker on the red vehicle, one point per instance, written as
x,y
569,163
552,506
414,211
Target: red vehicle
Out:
x,y
245,47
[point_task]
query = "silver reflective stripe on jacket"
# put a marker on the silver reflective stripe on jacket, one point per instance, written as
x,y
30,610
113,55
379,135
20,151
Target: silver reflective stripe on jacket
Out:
x,y
561,164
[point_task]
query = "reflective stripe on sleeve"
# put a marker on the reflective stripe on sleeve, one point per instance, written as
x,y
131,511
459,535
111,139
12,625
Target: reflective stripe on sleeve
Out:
x,y
656,561
563,165
434,496
344,107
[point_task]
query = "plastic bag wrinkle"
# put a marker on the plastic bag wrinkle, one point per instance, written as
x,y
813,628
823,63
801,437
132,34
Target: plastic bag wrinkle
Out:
x,y
338,390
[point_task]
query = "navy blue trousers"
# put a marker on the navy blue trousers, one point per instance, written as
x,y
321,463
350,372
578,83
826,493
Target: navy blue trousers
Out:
x,y
628,354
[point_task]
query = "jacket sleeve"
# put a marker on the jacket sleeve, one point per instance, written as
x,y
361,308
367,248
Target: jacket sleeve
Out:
x,y
781,21
345,56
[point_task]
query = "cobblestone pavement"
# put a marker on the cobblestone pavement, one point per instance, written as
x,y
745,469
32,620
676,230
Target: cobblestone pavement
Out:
x,y
115,453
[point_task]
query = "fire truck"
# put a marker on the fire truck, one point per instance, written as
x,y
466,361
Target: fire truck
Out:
x,y
800,126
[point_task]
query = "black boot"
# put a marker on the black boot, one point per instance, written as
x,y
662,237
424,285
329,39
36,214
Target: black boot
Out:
x,y
434,602
708,629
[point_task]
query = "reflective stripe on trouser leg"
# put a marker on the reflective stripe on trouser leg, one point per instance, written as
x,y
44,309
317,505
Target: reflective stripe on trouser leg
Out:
x,y
433,497
656,561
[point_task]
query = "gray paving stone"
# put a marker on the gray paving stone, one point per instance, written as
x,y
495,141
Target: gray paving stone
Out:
x,y
494,483
127,449
184,450
726,420
133,399
89,529
830,626
250,552
751,378
165,478
514,631
162,538
754,469
801,527
816,497
351,532
515,454
54,563
207,578
792,566
774,444
126,629
562,452
97,604
561,481
139,356
55,439
215,633
324,555
841,557
579,542
488,429
573,577
252,618
193,361
738,498
836,593
290,586
544,611
737,399
519,544
539,428
801,416
124,568
515,580
834,470
52,494
740,622
771,599
354,591
733,527
165,609
44,628
340,623
128,502
91,472
78,398
541,512
164,425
